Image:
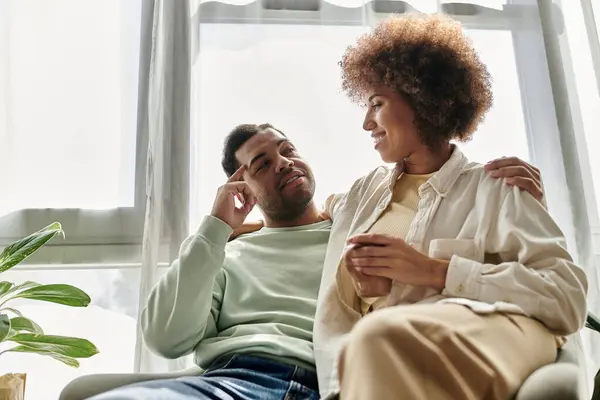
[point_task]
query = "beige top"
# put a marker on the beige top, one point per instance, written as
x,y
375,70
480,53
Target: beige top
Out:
x,y
395,221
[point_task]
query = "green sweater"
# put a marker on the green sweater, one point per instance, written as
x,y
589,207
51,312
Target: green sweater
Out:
x,y
256,294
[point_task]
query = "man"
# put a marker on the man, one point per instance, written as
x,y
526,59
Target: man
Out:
x,y
246,308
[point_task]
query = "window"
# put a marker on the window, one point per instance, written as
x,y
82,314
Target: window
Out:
x,y
288,75
243,76
68,112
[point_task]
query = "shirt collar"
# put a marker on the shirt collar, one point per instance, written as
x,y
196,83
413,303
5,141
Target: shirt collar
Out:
x,y
443,180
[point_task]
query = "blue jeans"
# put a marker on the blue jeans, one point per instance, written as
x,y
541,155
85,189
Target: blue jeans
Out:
x,y
237,377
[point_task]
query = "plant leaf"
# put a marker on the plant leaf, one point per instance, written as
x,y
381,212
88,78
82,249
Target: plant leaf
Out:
x,y
18,251
25,324
71,362
12,310
4,326
64,345
10,334
22,286
25,285
5,287
56,293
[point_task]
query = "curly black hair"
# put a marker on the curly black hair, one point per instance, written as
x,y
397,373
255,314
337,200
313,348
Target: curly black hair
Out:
x,y
429,61
235,139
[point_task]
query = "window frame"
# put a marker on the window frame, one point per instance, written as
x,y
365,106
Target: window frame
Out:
x,y
92,236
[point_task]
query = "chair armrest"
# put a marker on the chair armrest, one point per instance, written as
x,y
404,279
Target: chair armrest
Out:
x,y
91,385
562,380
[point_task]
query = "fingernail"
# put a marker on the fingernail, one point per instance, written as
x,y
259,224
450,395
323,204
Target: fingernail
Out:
x,y
510,180
494,173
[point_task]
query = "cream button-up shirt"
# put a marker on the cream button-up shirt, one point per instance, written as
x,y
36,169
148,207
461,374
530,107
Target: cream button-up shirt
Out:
x,y
506,254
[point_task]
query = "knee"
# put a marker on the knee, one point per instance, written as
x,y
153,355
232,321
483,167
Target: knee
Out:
x,y
381,327
378,328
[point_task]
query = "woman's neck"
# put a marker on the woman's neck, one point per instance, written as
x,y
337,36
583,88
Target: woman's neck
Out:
x,y
426,161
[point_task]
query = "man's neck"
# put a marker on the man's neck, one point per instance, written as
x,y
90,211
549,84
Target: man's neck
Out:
x,y
311,215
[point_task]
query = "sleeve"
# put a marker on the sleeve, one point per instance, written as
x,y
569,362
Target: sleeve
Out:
x,y
337,202
183,307
543,201
535,271
331,205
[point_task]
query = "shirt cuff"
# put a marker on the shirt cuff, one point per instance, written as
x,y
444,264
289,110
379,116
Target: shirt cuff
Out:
x,y
461,278
215,231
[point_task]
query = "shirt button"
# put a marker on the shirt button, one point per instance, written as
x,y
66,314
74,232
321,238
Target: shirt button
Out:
x,y
382,205
460,288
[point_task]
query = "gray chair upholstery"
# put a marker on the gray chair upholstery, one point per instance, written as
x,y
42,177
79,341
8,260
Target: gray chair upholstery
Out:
x,y
562,380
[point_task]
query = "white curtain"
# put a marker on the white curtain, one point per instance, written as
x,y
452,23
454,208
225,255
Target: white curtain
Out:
x,y
571,44
113,115
164,117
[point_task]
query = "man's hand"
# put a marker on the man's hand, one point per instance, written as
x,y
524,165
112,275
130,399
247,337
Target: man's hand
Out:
x,y
518,173
391,257
224,206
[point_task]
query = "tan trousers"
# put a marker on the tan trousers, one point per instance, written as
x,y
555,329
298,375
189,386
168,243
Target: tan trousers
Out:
x,y
441,352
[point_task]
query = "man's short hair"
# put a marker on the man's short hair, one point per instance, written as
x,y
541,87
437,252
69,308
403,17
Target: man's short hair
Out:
x,y
235,139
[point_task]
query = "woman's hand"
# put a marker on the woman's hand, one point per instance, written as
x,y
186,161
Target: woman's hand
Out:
x,y
324,215
391,257
365,285
518,173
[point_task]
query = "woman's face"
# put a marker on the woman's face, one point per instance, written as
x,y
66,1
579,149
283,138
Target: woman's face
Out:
x,y
390,120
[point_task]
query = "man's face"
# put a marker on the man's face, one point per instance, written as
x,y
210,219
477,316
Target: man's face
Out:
x,y
281,180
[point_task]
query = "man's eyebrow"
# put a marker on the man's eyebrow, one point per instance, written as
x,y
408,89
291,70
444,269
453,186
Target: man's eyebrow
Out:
x,y
261,155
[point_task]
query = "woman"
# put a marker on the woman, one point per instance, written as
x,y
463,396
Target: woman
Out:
x,y
440,282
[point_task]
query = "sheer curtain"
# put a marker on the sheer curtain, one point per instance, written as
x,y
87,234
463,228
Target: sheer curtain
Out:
x,y
113,114
572,50
164,118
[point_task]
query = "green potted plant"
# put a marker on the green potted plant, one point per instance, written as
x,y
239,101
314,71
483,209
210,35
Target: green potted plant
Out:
x,y
25,335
